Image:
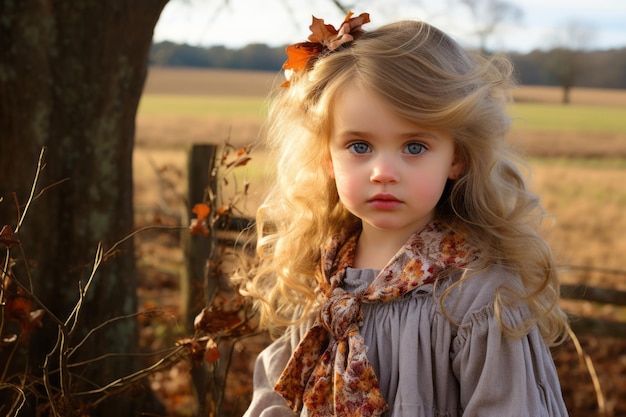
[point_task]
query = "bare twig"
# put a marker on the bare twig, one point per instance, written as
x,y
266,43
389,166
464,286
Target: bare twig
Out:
x,y
46,375
40,166
73,317
104,324
8,361
20,399
586,361
136,232
121,384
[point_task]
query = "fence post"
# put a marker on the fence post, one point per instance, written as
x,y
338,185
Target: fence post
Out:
x,y
195,287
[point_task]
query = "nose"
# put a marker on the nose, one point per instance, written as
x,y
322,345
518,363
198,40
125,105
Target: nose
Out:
x,y
384,170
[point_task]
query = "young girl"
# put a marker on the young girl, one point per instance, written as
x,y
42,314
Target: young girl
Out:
x,y
399,243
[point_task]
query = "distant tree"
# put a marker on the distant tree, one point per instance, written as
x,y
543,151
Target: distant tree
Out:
x,y
221,57
171,54
566,59
260,57
564,65
71,76
605,69
530,69
257,57
488,15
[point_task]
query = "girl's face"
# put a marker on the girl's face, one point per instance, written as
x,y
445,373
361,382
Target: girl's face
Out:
x,y
389,172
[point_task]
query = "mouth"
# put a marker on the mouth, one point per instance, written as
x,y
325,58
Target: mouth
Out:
x,y
384,201
384,197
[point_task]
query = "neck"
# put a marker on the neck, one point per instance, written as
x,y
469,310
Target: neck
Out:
x,y
376,247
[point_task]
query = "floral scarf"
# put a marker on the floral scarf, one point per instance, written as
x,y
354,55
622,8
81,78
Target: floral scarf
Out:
x,y
329,372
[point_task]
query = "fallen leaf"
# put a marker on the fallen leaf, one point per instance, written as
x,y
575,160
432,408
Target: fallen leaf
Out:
x,y
214,320
199,227
212,353
7,237
17,306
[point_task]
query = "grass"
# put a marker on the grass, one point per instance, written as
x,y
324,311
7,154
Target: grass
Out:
x,y
572,118
575,162
530,116
196,106
577,153
587,206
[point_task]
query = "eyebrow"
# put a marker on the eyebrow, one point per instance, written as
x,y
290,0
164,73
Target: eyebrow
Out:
x,y
407,135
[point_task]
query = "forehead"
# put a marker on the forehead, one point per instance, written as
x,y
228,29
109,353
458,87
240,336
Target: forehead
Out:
x,y
364,113
357,108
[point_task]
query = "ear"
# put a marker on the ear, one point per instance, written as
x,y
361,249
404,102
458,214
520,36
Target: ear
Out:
x,y
330,168
457,169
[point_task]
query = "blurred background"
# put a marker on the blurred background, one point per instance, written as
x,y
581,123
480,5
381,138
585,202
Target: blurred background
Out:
x,y
514,25
116,120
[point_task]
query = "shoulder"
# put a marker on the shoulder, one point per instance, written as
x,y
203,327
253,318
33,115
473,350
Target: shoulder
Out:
x,y
467,298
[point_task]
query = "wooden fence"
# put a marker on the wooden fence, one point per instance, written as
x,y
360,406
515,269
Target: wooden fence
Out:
x,y
201,171
594,326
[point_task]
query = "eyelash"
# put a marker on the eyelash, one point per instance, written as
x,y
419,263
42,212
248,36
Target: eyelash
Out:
x,y
422,148
353,147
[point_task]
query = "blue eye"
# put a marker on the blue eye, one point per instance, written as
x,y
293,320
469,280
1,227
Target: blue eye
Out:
x,y
359,147
414,148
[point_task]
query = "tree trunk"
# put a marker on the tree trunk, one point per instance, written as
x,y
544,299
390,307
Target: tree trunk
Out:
x,y
566,94
71,76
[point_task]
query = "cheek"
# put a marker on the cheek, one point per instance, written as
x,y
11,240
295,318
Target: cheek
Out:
x,y
345,182
429,188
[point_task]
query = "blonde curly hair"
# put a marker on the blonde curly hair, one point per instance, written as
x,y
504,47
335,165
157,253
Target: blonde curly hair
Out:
x,y
428,79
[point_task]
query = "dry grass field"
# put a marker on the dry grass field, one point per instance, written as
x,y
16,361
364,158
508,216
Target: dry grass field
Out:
x,y
581,177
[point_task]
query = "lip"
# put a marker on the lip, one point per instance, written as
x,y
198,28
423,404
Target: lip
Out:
x,y
384,202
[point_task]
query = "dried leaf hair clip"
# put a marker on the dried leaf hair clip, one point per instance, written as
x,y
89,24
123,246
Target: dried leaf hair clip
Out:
x,y
323,38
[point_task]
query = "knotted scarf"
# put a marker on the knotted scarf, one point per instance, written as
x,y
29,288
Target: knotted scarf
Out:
x,y
329,372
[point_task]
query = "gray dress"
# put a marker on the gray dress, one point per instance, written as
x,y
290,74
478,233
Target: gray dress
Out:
x,y
431,364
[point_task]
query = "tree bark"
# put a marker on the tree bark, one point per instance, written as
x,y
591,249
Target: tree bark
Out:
x,y
71,76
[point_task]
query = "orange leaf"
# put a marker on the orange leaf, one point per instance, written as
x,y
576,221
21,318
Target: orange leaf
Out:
x,y
215,319
321,32
212,353
223,210
239,162
323,37
18,307
199,227
299,54
7,238
193,346
201,210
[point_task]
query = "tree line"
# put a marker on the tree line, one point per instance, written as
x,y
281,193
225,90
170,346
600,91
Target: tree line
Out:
x,y
555,67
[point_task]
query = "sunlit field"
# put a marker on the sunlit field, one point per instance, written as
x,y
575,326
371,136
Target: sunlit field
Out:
x,y
576,155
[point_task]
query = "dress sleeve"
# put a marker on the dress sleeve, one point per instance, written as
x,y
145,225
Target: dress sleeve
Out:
x,y
268,366
503,376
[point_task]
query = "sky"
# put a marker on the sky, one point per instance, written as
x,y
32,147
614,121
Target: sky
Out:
x,y
542,23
